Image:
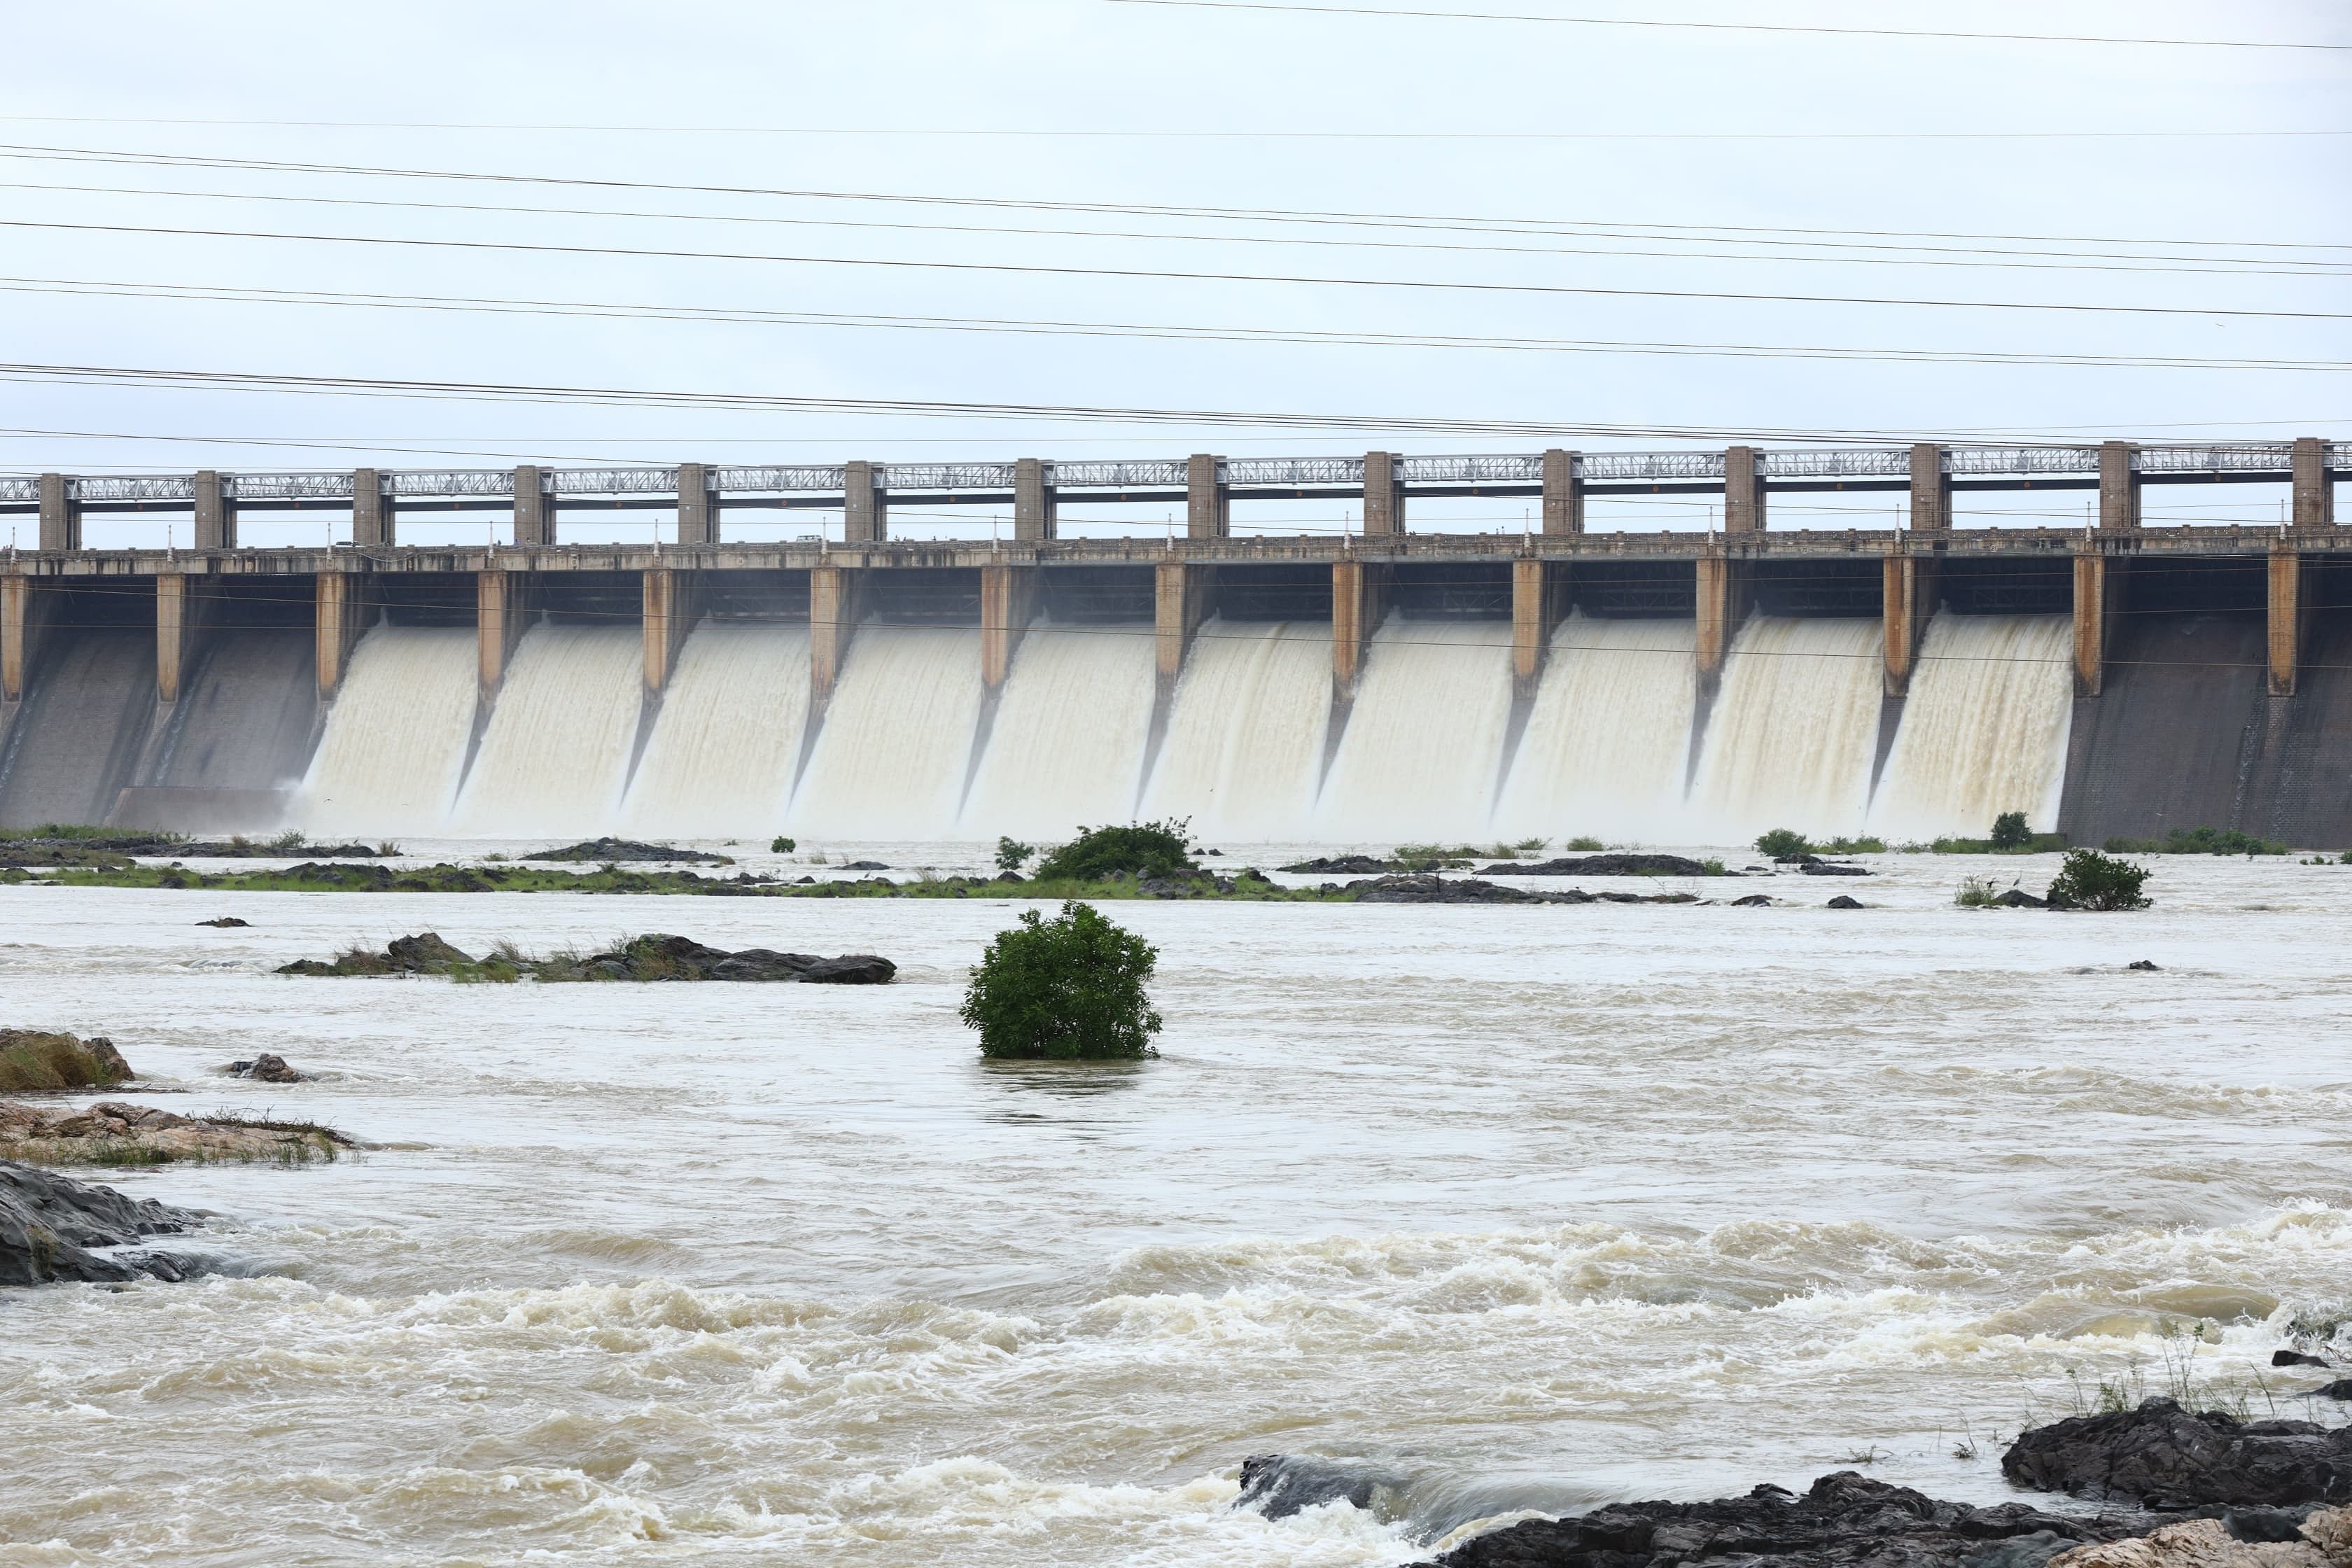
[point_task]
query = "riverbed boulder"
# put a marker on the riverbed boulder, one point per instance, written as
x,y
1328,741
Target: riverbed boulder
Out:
x,y
2019,898
1753,901
1279,1485
2168,1458
623,851
267,1068
45,1059
1342,866
2255,1538
1426,888
224,923
1832,868
1844,902
50,1224
658,956
1611,865
116,1132
1845,1519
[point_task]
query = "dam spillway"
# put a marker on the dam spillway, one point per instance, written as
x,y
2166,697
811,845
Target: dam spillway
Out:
x,y
1661,687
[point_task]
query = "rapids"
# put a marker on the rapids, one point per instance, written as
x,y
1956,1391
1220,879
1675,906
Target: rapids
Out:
x,y
1538,1206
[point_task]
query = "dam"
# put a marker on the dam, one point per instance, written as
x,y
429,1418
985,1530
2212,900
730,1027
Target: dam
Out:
x,y
1385,684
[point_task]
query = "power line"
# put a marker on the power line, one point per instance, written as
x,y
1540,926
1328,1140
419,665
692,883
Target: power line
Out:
x,y
1746,233
1937,255
1176,275
1735,27
751,316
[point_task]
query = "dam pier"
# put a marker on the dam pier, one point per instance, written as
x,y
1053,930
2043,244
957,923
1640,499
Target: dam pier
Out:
x,y
2109,679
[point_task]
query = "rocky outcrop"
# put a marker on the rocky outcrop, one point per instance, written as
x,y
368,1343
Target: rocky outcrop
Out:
x,y
1609,866
1342,866
1425,889
1279,1485
1753,901
1844,1519
657,957
1831,869
2168,1458
49,1223
423,953
267,1068
2257,1537
225,922
624,851
115,1132
1843,903
2019,898
43,1060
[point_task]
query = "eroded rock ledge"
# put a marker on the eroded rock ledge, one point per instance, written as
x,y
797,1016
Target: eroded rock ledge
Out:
x,y
49,1223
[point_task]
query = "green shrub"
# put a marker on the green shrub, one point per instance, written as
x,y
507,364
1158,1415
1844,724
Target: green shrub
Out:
x,y
780,845
1428,857
2090,880
1977,893
2010,832
1139,849
1066,989
290,839
2198,841
1783,844
1012,854
1584,845
1865,845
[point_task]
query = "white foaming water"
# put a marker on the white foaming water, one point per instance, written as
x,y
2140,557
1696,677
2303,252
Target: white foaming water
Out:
x,y
1794,730
1607,746
557,750
728,738
1066,747
1243,753
1984,729
396,735
1424,743
895,747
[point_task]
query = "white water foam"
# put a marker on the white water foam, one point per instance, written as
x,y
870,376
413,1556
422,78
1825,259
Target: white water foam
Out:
x,y
1424,743
892,757
1243,754
1066,747
395,737
1607,746
1794,730
727,738
557,750
1984,730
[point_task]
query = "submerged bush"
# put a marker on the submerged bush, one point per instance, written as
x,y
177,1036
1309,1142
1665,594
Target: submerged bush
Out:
x,y
2198,841
1011,855
1138,850
1977,893
2090,880
1066,989
781,845
2009,831
1783,844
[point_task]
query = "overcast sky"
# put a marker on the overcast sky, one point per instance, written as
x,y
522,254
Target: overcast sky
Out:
x,y
2108,160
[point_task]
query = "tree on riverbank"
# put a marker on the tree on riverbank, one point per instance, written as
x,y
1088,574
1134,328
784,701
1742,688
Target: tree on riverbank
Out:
x,y
1068,989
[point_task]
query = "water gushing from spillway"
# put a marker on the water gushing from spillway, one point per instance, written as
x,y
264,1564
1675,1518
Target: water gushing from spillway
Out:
x,y
1425,737
1066,747
896,746
1984,729
395,738
728,738
1243,753
1794,730
1607,746
556,754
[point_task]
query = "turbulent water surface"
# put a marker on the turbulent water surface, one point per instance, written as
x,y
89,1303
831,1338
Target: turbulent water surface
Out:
x,y
1536,1206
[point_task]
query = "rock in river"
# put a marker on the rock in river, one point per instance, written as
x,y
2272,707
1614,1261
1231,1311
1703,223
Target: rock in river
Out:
x,y
1844,902
1433,890
1610,866
1342,866
2166,1456
267,1068
48,1223
620,851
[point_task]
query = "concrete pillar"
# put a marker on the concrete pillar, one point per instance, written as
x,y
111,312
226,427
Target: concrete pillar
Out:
x,y
16,610
1358,602
1008,601
1563,492
1034,506
833,617
1743,490
2286,620
372,526
337,623
61,514
176,613
864,505
669,615
2091,612
2119,486
534,517
698,505
501,610
1717,613
1909,600
1931,490
1383,496
1208,503
1534,614
216,514
1179,595
2315,486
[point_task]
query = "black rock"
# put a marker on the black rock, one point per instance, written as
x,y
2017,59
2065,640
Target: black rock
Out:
x,y
2168,1458
852,969
865,866
2019,898
2295,1358
616,851
1844,1519
1431,889
224,922
268,1069
1832,868
2146,964
2340,1389
1752,901
1279,1485
1342,866
423,952
1844,902
48,1222
1607,866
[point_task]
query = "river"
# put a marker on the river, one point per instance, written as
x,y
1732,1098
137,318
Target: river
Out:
x,y
1534,1206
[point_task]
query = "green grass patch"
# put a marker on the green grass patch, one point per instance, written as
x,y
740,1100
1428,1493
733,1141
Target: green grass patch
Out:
x,y
36,1059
